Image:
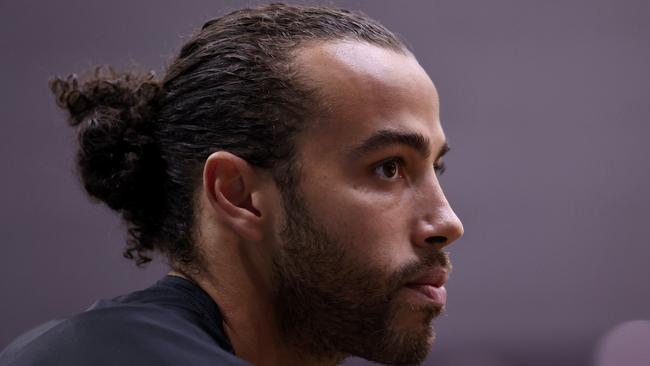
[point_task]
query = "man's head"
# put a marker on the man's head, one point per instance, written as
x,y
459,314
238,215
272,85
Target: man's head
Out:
x,y
311,137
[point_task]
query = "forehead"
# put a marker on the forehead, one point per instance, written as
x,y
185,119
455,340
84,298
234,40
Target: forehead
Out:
x,y
366,88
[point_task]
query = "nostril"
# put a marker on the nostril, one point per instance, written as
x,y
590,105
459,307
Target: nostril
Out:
x,y
436,240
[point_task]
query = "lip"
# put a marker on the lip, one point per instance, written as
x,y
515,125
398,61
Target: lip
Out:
x,y
436,277
435,295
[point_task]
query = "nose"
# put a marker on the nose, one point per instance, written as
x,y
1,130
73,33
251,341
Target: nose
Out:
x,y
439,229
438,225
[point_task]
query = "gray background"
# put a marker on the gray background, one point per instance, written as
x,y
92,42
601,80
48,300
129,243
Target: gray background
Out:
x,y
546,104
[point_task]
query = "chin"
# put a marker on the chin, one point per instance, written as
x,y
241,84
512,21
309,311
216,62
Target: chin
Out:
x,y
410,338
406,347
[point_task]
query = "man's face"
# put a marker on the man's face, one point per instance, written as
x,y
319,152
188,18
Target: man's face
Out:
x,y
360,267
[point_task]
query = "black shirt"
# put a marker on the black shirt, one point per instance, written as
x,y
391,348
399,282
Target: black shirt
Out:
x,y
173,322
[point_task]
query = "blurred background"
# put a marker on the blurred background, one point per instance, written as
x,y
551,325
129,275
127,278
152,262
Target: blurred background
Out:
x,y
547,108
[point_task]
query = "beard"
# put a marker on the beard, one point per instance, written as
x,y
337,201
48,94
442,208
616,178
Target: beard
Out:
x,y
330,305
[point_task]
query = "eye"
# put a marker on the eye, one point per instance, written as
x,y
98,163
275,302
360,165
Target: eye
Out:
x,y
439,168
390,169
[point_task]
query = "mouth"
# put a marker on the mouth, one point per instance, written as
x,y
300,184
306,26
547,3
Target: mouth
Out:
x,y
429,286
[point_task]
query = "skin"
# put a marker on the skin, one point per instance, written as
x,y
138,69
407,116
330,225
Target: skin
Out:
x,y
384,215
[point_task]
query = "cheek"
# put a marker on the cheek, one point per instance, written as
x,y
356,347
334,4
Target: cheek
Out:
x,y
373,227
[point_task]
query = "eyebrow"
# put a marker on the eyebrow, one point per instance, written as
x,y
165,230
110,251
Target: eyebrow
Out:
x,y
383,138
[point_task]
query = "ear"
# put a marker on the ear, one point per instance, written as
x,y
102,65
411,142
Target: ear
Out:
x,y
228,182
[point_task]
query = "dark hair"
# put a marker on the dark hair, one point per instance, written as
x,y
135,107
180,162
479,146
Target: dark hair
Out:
x,y
233,87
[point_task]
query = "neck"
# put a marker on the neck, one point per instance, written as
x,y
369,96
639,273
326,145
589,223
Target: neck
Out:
x,y
244,300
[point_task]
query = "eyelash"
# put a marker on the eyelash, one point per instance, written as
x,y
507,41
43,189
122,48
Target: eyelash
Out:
x,y
438,168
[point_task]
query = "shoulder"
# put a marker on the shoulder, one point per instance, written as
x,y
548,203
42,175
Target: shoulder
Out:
x,y
142,334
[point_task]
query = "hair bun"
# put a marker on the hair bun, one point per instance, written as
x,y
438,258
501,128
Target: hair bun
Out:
x,y
118,158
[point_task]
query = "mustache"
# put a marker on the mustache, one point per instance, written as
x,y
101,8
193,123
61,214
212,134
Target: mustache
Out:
x,y
408,271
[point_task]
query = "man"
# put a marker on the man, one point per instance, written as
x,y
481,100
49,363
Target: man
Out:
x,y
287,165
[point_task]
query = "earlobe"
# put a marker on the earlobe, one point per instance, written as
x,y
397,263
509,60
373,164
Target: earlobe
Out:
x,y
228,183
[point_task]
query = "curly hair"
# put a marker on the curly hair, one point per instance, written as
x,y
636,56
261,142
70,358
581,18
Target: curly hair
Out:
x,y
233,87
